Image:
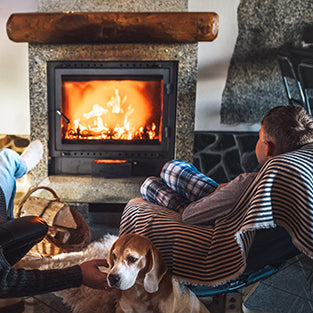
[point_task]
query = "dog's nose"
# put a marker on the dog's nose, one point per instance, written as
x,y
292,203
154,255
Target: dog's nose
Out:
x,y
113,279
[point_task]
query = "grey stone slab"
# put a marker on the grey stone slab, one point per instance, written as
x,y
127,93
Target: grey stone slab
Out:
x,y
285,292
94,189
112,6
270,299
292,280
254,84
305,263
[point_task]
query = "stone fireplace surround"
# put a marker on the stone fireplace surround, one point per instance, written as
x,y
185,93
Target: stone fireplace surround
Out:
x,y
87,189
94,189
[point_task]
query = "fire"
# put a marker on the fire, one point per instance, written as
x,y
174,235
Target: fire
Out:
x,y
112,110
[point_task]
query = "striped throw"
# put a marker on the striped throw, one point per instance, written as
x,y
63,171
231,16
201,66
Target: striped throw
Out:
x,y
281,194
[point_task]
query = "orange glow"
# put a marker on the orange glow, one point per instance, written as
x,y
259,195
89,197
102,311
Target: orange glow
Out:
x,y
111,161
112,109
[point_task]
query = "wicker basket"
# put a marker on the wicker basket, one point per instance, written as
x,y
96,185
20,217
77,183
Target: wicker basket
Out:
x,y
47,209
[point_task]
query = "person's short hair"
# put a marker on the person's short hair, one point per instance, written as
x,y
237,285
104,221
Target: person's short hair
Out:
x,y
290,127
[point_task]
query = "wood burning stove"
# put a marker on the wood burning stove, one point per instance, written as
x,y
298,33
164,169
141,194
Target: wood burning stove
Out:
x,y
104,112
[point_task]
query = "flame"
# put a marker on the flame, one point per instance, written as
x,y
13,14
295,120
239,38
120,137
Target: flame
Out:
x,y
111,161
114,110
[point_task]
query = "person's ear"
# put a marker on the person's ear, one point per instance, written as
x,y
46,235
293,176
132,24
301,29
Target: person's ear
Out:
x,y
270,150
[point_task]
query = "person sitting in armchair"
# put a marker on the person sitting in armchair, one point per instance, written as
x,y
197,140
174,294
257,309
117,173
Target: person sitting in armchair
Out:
x,y
210,234
181,187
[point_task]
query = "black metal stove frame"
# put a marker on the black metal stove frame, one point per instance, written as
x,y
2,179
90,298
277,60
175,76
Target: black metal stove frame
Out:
x,y
78,158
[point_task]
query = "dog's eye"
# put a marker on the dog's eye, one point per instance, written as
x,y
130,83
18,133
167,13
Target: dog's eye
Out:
x,y
131,259
114,256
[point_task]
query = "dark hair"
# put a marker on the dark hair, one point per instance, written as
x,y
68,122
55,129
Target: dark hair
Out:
x,y
290,127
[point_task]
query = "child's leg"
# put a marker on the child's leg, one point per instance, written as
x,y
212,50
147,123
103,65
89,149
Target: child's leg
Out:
x,y
184,178
156,191
12,167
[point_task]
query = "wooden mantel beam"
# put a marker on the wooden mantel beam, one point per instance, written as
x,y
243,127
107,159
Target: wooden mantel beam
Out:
x,y
113,27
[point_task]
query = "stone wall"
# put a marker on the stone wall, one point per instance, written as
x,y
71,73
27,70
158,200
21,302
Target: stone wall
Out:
x,y
112,6
224,155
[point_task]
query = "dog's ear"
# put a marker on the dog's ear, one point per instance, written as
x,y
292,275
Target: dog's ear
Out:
x,y
155,272
110,256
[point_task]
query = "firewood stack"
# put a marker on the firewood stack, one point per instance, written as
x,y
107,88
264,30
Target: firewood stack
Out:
x,y
68,230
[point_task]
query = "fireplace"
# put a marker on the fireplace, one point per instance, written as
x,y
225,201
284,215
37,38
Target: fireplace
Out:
x,y
85,188
90,43
142,35
111,112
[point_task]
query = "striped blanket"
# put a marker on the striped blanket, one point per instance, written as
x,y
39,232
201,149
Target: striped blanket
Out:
x,y
281,194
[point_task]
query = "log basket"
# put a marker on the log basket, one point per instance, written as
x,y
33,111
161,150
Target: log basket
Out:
x,y
59,239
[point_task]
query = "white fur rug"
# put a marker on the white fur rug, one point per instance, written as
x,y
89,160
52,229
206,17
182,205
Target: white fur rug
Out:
x,y
83,299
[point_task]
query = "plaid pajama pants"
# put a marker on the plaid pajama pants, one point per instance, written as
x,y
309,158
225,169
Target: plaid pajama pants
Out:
x,y
179,184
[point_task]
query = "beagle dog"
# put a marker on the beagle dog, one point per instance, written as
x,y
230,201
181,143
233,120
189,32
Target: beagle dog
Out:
x,y
140,279
137,269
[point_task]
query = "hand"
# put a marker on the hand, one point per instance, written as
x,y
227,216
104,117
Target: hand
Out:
x,y
91,275
221,186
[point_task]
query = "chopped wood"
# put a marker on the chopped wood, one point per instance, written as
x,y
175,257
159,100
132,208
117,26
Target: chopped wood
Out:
x,y
65,218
